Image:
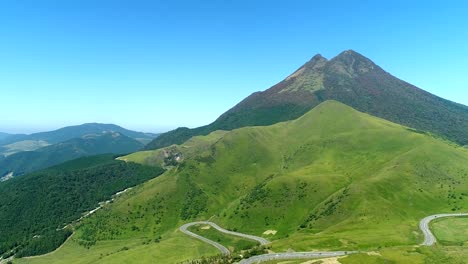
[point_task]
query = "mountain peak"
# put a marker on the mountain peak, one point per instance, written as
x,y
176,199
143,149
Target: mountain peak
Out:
x,y
309,68
349,78
352,63
351,54
317,61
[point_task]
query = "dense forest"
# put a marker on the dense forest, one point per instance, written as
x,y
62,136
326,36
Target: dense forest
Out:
x,y
36,207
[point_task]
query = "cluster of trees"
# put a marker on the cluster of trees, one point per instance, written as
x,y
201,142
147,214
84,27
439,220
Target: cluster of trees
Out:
x,y
44,243
195,201
327,209
36,207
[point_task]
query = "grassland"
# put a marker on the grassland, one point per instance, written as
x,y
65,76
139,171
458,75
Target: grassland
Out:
x,y
451,231
172,155
175,247
333,179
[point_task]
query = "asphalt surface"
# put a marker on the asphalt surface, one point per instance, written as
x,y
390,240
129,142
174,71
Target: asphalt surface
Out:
x,y
294,255
429,238
262,241
223,249
184,230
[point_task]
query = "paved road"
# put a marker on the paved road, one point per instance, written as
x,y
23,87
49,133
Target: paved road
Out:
x,y
429,238
221,248
294,255
262,241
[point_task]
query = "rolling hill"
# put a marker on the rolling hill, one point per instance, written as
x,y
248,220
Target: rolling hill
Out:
x,y
23,145
334,178
349,78
71,132
91,144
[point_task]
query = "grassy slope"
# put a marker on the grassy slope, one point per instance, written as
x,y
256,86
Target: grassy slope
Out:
x,y
190,148
451,231
332,179
127,251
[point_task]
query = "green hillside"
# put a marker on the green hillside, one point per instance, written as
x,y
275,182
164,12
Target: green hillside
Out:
x,y
93,144
349,78
35,207
335,178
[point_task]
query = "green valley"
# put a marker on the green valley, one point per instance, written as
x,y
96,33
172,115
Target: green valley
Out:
x,y
36,209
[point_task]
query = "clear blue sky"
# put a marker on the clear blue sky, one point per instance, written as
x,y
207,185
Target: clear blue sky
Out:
x,y
156,65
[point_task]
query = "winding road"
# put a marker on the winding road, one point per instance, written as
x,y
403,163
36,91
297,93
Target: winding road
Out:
x,y
429,238
223,249
262,241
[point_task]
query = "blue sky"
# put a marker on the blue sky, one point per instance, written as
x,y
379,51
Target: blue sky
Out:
x,y
156,65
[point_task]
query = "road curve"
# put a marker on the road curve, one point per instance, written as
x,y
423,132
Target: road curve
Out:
x,y
262,241
429,238
221,248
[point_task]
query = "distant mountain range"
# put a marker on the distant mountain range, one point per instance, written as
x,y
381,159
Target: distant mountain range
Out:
x,y
28,161
3,135
28,153
349,78
66,133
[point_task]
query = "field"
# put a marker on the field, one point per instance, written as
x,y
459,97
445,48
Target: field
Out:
x,y
451,231
175,247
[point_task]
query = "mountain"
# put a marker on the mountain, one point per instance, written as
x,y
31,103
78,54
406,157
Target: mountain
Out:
x,y
36,207
23,145
70,132
3,135
91,144
349,78
333,179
